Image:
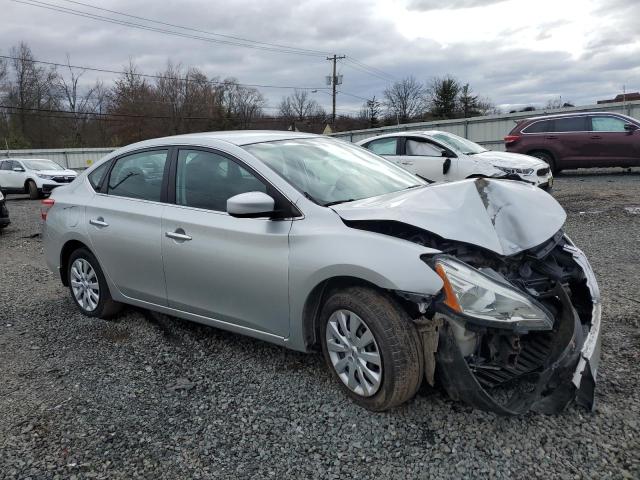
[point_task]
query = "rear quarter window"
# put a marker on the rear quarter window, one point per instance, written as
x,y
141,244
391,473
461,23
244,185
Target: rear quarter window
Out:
x,y
95,177
541,126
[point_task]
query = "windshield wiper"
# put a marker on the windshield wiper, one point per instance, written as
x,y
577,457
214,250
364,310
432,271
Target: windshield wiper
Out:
x,y
414,186
336,202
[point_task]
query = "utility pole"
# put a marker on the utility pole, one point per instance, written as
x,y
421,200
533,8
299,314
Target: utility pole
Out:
x,y
334,82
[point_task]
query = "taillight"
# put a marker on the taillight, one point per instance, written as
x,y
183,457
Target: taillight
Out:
x,y
511,139
47,203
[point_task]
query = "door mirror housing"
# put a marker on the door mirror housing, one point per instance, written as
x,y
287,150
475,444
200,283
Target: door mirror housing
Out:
x,y
251,205
18,169
630,127
446,166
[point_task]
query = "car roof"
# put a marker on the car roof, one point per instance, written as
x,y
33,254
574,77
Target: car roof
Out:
x,y
404,133
235,137
571,114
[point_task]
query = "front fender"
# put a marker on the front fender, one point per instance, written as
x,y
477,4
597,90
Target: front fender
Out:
x,y
324,248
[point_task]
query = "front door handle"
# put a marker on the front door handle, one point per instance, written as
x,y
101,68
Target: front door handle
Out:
x,y
178,235
406,162
551,137
98,222
596,137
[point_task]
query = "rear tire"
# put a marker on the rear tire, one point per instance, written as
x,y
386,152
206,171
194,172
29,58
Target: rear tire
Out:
x,y
548,159
395,342
32,190
88,286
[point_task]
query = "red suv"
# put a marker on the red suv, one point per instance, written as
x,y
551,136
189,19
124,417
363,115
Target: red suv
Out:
x,y
578,140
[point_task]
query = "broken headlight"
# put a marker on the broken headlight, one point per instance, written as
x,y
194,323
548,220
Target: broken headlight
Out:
x,y
515,171
488,301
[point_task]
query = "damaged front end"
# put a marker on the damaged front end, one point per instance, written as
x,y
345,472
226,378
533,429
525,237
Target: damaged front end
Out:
x,y
529,342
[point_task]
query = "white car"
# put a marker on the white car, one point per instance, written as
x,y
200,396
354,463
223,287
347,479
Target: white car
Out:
x,y
35,176
444,157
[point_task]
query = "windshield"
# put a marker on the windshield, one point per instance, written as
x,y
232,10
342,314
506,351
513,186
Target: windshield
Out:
x,y
459,144
42,165
331,171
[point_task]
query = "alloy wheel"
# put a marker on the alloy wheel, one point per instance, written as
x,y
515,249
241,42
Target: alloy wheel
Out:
x,y
354,353
84,284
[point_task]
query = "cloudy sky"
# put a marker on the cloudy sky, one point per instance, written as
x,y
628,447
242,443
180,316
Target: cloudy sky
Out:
x,y
516,52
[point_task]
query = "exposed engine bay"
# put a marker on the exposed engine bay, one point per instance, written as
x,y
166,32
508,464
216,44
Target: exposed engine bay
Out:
x,y
511,368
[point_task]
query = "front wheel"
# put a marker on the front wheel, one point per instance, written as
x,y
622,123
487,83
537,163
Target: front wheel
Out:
x,y
88,286
32,189
371,347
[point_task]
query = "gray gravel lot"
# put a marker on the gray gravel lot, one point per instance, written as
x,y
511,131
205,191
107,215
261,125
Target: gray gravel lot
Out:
x,y
151,397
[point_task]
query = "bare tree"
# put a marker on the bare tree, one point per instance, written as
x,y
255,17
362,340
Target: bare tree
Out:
x,y
443,96
405,99
243,104
79,104
298,106
371,112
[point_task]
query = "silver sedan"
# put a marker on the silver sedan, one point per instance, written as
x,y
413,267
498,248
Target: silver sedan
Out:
x,y
317,244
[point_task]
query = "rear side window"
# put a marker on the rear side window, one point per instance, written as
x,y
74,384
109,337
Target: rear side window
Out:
x,y
421,148
607,124
6,165
384,146
207,180
138,175
95,177
538,127
571,124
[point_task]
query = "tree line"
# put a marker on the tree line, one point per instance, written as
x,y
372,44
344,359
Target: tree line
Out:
x,y
51,106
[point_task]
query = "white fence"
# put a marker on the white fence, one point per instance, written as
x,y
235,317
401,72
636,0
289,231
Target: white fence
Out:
x,y
490,130
75,158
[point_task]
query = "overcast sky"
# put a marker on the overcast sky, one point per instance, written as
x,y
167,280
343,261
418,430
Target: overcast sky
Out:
x,y
516,52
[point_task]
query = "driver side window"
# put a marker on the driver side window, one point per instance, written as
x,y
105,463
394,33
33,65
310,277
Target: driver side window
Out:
x,y
422,148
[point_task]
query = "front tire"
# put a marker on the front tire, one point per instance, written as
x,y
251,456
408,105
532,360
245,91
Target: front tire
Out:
x,y
371,347
88,286
32,190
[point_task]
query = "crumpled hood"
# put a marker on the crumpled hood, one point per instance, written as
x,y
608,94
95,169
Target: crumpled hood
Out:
x,y
510,160
504,216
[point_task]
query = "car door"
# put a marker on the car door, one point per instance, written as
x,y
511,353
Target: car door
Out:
x,y
426,159
217,266
124,224
12,178
612,145
5,168
570,134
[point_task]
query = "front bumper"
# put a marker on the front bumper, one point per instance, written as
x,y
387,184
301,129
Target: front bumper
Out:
x,y
568,370
49,187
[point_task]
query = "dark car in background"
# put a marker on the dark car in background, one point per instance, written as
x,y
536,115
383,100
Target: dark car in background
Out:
x,y
578,140
4,213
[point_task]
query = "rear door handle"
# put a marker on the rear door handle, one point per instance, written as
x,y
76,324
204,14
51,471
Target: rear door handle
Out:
x,y
179,235
551,137
98,222
406,162
596,137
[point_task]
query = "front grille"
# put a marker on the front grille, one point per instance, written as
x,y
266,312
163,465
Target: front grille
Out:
x,y
65,179
535,350
543,171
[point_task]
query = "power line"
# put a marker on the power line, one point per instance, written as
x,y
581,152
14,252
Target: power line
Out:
x,y
198,30
372,69
147,75
79,13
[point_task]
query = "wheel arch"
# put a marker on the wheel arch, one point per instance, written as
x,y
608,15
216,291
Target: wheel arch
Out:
x,y
317,296
546,151
65,253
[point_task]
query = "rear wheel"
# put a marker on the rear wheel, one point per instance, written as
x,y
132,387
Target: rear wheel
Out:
x,y
88,286
32,189
371,347
547,158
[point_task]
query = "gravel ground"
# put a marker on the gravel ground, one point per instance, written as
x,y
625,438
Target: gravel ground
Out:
x,y
150,397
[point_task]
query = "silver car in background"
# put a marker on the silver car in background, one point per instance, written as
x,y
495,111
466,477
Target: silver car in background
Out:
x,y
317,244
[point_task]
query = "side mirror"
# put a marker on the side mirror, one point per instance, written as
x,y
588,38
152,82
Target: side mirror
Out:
x,y
630,127
446,166
18,169
251,205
